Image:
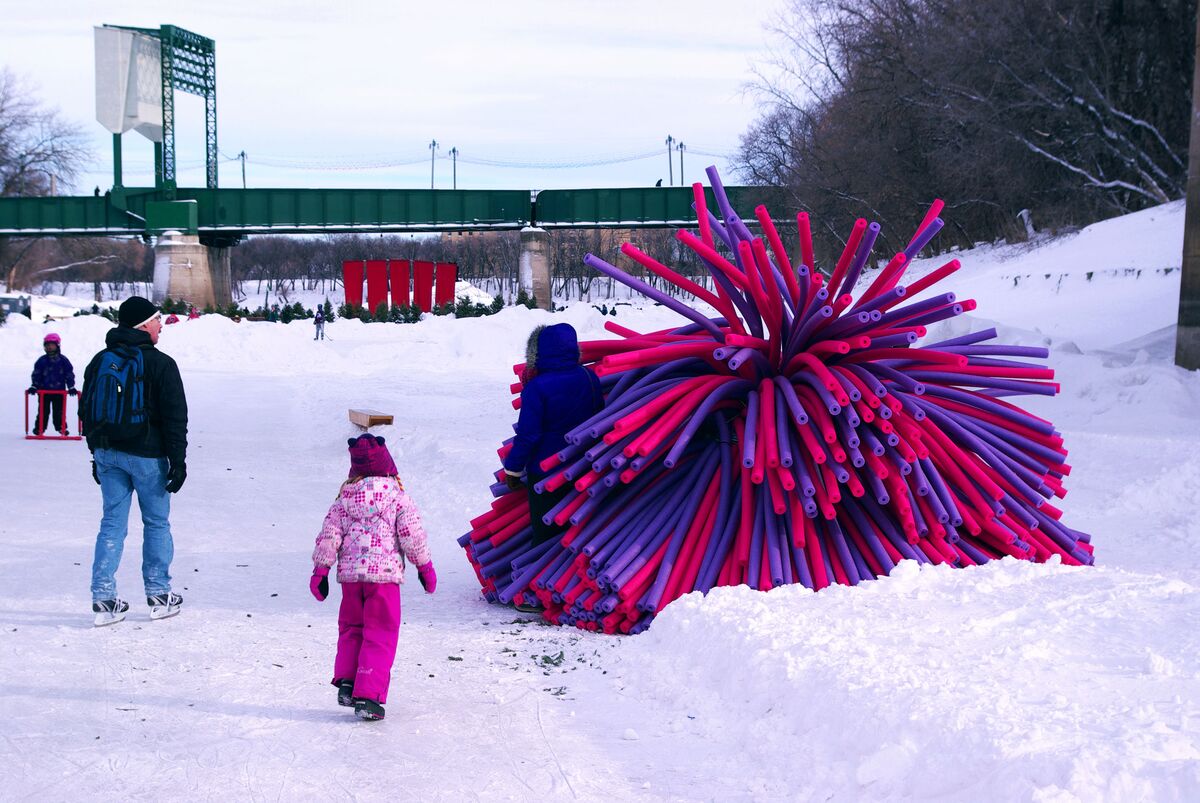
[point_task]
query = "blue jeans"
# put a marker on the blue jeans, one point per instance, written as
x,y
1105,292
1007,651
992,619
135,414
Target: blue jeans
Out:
x,y
120,475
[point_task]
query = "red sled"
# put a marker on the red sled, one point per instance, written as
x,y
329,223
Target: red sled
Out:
x,y
43,407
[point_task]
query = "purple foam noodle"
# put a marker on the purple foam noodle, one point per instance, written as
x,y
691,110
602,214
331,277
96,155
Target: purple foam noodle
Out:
x,y
1029,352
869,533
659,586
783,442
926,490
602,453
560,562
919,520
889,529
753,355
722,392
531,553
1064,536
922,239
506,550
871,441
718,228
464,539
772,546
860,258
941,491
973,552
838,540
803,333
1022,418
726,502
789,309
800,563
916,308
597,531
560,596
785,550
791,401
808,378
619,542
676,518
904,381
1018,386
751,430
965,340
706,579
849,388
871,382
736,227
744,305
695,328
640,511
596,263
499,489
890,297
754,562
598,425
521,581
893,341
1001,463
1020,512
670,372
848,324
1025,444
996,441
845,430
992,362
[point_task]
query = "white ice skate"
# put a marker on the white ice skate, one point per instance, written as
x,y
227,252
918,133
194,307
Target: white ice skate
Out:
x,y
163,606
109,611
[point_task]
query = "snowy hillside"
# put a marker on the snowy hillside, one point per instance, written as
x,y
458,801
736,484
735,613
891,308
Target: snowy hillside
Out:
x,y
1005,682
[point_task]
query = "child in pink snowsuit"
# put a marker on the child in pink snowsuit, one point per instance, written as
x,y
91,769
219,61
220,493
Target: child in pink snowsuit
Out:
x,y
370,530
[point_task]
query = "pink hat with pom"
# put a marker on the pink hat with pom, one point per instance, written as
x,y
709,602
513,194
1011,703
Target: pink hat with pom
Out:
x,y
369,457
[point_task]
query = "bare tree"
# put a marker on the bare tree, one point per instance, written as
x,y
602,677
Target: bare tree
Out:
x,y
39,150
1072,108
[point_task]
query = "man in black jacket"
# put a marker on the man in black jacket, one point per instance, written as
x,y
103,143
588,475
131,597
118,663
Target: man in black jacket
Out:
x,y
153,465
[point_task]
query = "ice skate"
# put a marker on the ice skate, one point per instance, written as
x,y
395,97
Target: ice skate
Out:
x,y
109,611
163,606
368,709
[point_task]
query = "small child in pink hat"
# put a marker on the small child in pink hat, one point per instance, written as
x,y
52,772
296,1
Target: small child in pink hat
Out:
x,y
370,531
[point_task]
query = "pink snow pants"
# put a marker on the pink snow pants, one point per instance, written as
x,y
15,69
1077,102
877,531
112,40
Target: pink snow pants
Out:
x,y
368,627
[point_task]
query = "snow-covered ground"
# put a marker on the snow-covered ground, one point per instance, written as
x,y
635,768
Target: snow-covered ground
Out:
x,y
1006,682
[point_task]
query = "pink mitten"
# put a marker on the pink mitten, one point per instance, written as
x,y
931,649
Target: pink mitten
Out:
x,y
428,577
318,584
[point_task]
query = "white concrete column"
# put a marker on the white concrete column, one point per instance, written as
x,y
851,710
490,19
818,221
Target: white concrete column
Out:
x,y
534,270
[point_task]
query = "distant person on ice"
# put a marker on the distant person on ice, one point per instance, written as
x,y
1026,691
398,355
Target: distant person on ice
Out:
x,y
52,371
559,395
135,419
370,530
319,322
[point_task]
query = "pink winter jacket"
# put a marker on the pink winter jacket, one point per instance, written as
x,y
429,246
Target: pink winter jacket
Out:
x,y
371,528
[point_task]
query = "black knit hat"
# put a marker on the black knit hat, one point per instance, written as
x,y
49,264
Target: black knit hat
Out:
x,y
135,311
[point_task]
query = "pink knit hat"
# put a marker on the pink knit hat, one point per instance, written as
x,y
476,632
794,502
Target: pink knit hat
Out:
x,y
370,458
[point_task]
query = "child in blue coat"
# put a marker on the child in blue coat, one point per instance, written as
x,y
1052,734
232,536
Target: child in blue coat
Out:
x,y
559,395
52,371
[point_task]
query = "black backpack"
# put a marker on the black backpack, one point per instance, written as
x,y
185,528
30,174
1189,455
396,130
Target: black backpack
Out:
x,y
114,402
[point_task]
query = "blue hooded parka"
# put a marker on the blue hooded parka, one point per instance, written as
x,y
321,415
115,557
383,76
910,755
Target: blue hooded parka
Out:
x,y
561,396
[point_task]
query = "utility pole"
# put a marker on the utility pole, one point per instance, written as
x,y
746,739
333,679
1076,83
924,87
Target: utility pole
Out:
x,y
1187,333
433,146
242,157
670,164
454,167
681,148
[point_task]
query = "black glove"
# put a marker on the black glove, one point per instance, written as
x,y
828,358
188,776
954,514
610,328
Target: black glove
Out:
x,y
513,481
175,477
72,392
95,475
32,391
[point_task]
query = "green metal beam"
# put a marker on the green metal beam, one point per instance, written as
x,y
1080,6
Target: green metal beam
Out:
x,y
237,212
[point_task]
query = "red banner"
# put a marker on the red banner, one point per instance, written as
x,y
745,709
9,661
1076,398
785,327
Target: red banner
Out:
x,y
447,275
399,279
352,281
377,283
423,285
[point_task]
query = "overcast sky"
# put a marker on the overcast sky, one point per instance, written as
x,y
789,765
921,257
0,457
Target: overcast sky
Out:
x,y
368,83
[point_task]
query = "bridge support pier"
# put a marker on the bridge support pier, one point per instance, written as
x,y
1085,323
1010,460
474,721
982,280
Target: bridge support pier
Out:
x,y
182,270
534,268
